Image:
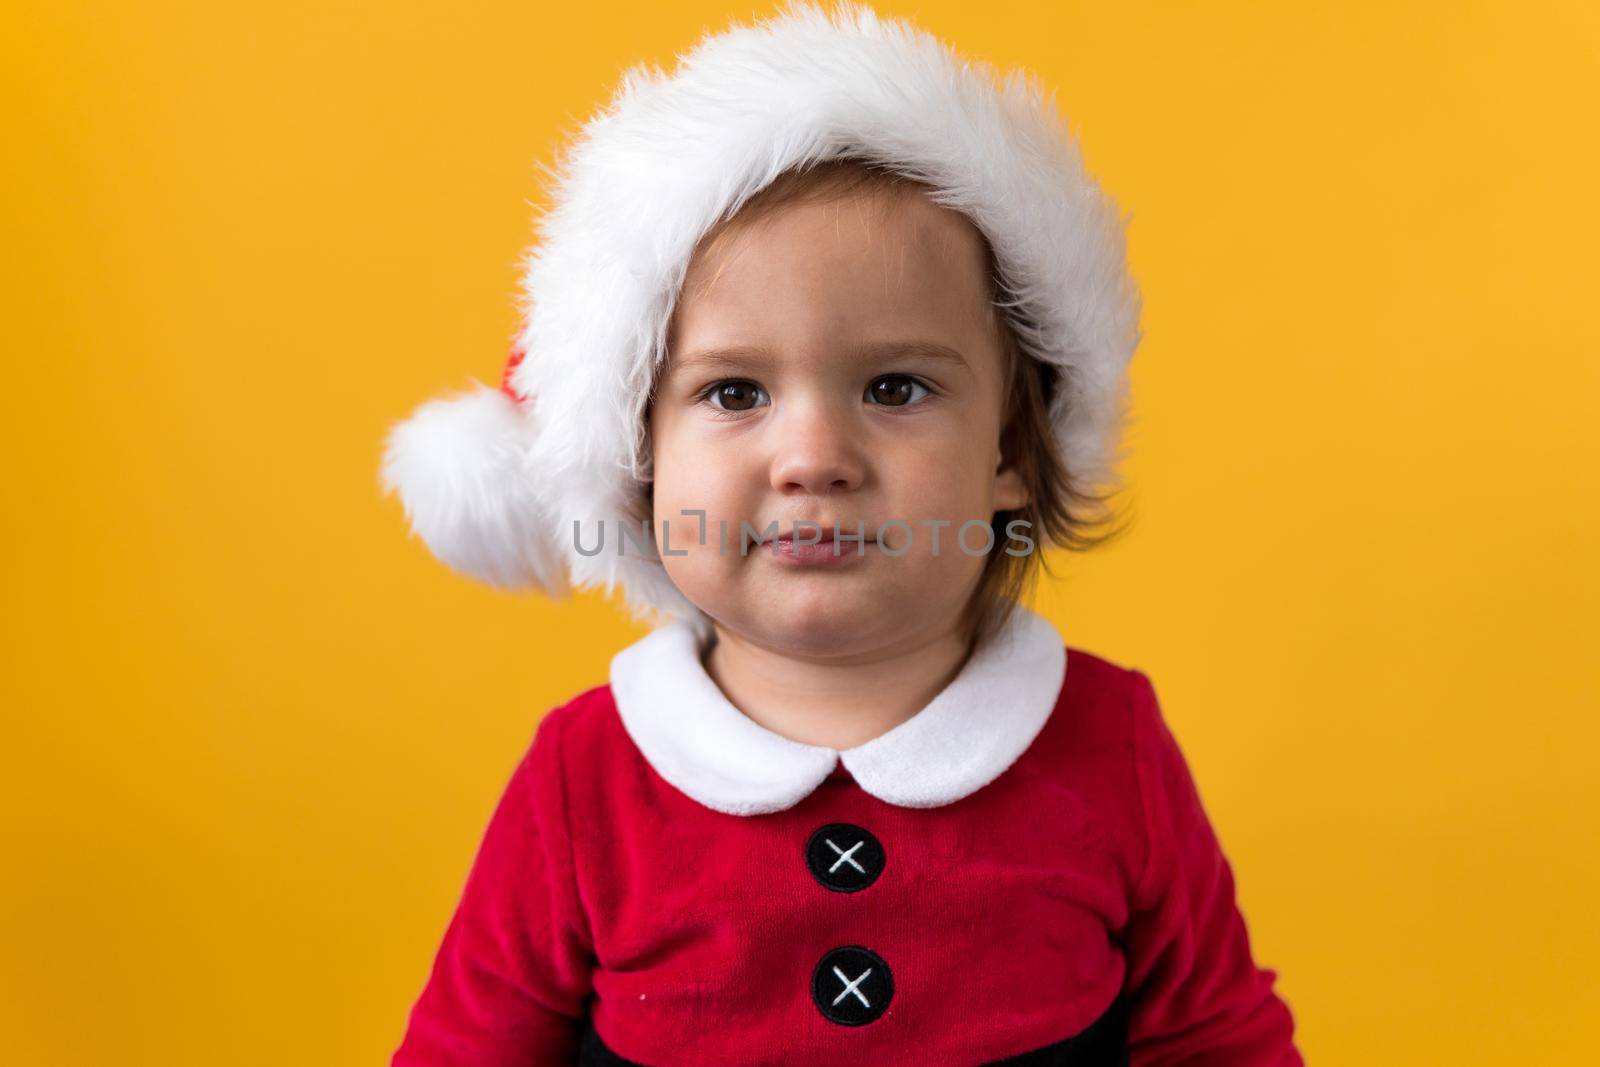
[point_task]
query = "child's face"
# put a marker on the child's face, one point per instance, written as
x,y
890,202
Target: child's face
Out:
x,y
825,424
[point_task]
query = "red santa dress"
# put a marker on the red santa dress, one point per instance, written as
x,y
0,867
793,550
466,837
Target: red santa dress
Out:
x,y
1023,872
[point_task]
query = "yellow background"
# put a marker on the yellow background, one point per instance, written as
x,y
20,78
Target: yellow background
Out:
x,y
253,731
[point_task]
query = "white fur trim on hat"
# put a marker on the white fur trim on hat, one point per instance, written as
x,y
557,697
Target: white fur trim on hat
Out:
x,y
673,155
460,466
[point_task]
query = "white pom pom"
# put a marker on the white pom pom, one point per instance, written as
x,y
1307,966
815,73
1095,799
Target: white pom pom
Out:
x,y
459,466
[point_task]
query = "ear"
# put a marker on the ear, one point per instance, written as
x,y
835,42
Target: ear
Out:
x,y
1010,493
1010,490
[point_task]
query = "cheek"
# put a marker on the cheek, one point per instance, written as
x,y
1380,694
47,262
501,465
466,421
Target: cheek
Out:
x,y
704,478
947,478
694,475
679,467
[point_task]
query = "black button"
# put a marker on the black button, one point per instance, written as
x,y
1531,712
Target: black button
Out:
x,y
844,858
852,986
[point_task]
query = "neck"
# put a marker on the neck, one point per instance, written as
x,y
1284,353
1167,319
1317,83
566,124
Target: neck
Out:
x,y
836,703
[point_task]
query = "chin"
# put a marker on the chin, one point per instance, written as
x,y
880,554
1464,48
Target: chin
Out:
x,y
823,621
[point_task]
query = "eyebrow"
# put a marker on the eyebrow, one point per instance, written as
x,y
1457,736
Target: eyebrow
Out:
x,y
756,355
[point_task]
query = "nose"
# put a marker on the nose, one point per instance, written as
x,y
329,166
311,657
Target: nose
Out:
x,y
816,450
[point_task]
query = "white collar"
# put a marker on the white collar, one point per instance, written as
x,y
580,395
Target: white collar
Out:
x,y
963,740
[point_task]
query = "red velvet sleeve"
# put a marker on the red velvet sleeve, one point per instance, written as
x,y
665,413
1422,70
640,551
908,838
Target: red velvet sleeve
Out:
x,y
1197,996
510,979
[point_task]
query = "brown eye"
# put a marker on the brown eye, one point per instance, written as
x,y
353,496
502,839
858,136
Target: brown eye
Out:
x,y
895,390
736,396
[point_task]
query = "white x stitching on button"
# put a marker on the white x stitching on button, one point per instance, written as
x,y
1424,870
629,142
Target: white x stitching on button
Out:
x,y
844,856
850,987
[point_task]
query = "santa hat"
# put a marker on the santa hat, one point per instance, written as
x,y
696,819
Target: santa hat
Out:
x,y
496,481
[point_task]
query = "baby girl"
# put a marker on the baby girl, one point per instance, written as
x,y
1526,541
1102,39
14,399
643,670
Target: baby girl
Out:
x,y
825,341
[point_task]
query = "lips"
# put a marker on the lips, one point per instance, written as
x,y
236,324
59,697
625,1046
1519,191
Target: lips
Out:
x,y
825,536
831,549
